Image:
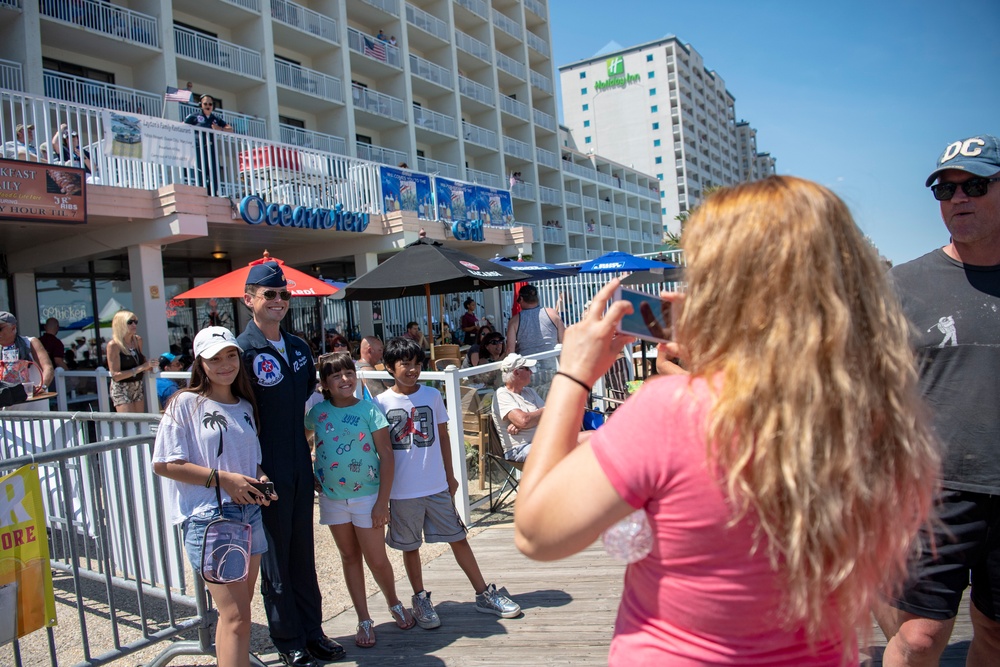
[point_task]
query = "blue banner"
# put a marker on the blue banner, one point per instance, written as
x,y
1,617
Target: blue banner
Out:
x,y
458,201
404,190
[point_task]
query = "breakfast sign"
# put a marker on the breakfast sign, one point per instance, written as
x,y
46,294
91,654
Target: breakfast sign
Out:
x,y
36,191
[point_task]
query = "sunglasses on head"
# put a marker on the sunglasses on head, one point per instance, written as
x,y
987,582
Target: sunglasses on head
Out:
x,y
974,187
132,322
270,294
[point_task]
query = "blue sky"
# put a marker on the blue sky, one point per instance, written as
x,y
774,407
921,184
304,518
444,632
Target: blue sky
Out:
x,y
859,96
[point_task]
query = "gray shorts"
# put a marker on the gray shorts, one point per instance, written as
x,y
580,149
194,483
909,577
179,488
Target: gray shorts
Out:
x,y
429,518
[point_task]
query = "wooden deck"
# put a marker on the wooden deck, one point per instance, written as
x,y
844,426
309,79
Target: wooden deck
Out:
x,y
568,614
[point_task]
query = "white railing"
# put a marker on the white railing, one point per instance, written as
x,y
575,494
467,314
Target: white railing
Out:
x,y
427,22
575,226
548,195
10,75
485,178
479,135
623,234
579,170
429,166
305,19
511,66
433,120
517,148
523,190
553,235
472,46
537,43
15,4
507,24
535,7
541,81
475,90
223,54
387,6
298,136
242,123
544,120
634,235
379,104
588,201
605,206
387,156
607,231
429,71
546,157
604,178
104,17
308,81
632,212
251,5
375,48
619,209
98,94
576,254
572,197
514,107
477,7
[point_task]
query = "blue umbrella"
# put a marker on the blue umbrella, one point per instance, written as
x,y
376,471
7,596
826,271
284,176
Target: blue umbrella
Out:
x,y
537,270
622,262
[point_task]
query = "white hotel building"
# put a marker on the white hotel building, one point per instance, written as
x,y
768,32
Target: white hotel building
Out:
x,y
657,108
461,89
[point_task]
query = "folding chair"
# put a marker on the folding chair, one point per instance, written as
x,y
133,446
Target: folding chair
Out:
x,y
616,383
511,470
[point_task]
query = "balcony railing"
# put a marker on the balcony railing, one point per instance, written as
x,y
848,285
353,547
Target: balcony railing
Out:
x,y
485,178
517,148
297,136
607,231
387,6
374,48
548,195
475,90
379,104
15,4
479,135
433,120
472,46
535,7
575,226
103,17
579,170
251,5
507,24
242,123
514,107
305,19
99,94
228,56
546,157
429,71
511,66
544,120
427,22
588,201
576,254
523,190
553,235
572,198
429,166
540,81
605,206
477,7
308,81
378,154
537,43
10,75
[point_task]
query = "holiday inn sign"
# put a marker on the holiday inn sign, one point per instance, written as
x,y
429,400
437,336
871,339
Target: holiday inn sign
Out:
x,y
617,78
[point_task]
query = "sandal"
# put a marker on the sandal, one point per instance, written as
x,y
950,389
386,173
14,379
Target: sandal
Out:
x,y
365,637
404,619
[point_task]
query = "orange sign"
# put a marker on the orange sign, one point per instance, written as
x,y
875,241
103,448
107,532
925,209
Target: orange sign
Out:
x,y
42,192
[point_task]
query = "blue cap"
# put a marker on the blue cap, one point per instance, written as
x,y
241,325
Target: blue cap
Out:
x,y
168,357
976,155
267,274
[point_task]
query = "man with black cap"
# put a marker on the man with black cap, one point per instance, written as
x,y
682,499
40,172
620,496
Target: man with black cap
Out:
x,y
283,376
952,298
14,347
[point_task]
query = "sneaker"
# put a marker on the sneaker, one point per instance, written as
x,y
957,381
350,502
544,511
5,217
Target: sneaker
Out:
x,y
492,601
423,611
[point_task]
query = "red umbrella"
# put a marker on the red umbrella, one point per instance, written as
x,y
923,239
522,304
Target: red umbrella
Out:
x,y
231,285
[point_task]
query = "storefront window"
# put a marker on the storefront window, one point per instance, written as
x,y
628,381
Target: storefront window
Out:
x,y
70,301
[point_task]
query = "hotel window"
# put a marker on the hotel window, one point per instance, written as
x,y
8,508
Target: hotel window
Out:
x,y
586,123
652,91
583,91
663,211
586,107
656,142
663,193
583,75
649,57
653,109
659,159
656,126
586,140
659,177
650,75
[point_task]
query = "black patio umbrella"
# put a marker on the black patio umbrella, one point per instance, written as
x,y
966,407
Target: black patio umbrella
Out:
x,y
428,267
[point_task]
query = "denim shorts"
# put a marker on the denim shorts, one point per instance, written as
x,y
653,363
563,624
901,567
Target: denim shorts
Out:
x,y
194,529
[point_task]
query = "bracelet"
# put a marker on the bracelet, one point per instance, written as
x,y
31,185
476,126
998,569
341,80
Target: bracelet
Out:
x,y
583,384
211,476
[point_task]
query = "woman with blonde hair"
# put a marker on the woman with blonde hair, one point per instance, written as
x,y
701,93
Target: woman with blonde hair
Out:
x,y
127,363
784,479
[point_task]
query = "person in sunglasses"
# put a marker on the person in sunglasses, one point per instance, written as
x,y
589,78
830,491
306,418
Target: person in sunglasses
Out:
x,y
951,296
127,363
283,376
207,119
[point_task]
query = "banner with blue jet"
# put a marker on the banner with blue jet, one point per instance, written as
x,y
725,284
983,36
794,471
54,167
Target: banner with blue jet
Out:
x,y
404,190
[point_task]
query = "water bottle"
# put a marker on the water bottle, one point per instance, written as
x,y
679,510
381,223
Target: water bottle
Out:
x,y
631,539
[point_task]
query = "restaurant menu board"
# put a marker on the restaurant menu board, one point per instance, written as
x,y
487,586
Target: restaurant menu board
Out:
x,y
404,190
458,201
42,192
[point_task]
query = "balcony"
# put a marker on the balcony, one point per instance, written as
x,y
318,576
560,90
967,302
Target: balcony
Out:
x,y
538,44
588,201
480,136
388,6
434,121
520,149
304,19
622,234
511,66
477,7
540,81
103,17
544,120
13,4
576,254
475,90
572,198
535,7
435,167
376,49
10,75
507,24
554,235
605,206
579,170
549,196
546,157
217,52
379,104
427,22
575,226
327,143
429,71
473,46
99,94
308,81
374,153
485,178
607,231
523,190
514,107
242,123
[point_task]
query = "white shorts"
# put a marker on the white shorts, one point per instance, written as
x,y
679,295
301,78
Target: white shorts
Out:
x,y
357,511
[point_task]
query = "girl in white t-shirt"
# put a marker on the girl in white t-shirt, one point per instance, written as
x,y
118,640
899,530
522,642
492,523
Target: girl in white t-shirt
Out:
x,y
206,441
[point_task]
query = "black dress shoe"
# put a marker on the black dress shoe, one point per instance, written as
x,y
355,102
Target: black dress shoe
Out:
x,y
325,649
299,657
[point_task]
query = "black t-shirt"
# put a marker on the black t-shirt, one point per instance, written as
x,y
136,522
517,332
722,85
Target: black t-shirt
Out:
x,y
954,310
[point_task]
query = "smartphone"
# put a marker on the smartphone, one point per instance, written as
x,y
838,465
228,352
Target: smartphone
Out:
x,y
267,488
651,318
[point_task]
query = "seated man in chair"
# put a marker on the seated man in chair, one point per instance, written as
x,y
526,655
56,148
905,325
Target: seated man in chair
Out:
x,y
518,406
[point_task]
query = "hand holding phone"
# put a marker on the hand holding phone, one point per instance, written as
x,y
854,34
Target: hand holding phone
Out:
x,y
267,488
651,318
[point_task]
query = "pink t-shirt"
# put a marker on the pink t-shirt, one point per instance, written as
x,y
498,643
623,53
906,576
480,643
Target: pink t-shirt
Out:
x,y
700,597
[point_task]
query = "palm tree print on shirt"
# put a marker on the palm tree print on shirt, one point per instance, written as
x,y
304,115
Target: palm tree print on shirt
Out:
x,y
215,421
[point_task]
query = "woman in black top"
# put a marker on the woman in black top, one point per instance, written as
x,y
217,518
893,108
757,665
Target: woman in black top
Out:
x,y
127,363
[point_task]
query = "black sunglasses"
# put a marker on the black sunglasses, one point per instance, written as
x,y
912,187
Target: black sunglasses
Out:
x,y
974,187
495,341
339,344
270,294
132,322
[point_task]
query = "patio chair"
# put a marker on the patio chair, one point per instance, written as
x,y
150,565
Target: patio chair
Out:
x,y
442,363
616,383
447,352
497,443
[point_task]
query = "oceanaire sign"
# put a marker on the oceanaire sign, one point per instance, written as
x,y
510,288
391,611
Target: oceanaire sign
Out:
x,y
617,78
255,211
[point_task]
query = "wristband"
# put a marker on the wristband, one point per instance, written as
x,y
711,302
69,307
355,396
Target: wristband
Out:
x,y
583,384
211,475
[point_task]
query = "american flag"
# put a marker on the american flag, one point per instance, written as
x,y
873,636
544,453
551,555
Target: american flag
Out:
x,y
375,48
174,95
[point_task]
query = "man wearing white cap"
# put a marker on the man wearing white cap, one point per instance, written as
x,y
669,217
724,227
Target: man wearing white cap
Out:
x,y
519,406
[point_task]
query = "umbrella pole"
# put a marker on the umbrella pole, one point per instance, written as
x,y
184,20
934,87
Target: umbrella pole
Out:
x,y
441,315
430,319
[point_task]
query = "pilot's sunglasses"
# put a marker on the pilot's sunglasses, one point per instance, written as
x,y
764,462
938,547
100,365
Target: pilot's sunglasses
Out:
x,y
270,294
974,187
